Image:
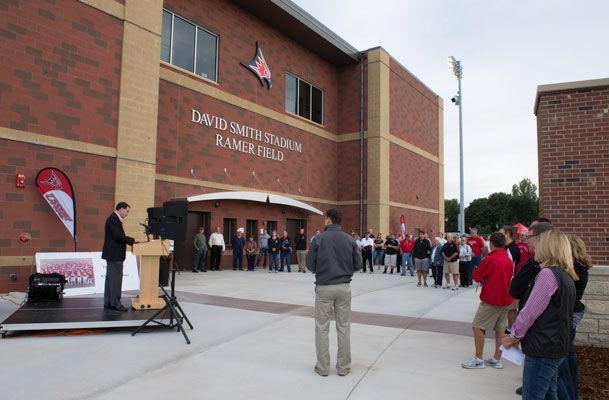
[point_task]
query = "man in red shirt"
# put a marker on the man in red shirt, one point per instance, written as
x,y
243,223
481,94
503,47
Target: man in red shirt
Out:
x,y
406,247
477,244
496,272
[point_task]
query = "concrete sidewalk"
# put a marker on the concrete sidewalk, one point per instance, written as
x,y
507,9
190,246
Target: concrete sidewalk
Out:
x,y
254,339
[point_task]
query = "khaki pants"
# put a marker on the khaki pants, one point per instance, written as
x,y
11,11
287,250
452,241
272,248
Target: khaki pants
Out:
x,y
337,298
302,260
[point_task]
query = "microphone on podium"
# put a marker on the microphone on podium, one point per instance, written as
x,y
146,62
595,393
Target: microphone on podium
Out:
x,y
145,226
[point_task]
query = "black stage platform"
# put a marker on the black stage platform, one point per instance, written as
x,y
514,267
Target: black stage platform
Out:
x,y
75,313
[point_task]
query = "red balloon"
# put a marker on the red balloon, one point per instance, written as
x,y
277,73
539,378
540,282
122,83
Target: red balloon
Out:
x,y
25,237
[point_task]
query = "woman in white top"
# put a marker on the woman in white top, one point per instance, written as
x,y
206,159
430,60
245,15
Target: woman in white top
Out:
x,y
465,258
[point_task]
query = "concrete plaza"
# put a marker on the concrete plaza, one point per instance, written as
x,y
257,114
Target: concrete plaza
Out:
x,y
254,339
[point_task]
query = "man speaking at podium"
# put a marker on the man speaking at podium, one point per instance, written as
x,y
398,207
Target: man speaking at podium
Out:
x,y
115,245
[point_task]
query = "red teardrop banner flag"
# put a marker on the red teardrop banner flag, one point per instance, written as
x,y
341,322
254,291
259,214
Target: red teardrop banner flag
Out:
x,y
56,189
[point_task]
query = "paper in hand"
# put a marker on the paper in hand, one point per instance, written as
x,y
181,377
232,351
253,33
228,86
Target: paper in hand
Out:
x,y
513,354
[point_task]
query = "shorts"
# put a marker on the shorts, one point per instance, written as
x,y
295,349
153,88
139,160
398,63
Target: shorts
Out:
x,y
390,260
451,267
421,264
514,305
490,318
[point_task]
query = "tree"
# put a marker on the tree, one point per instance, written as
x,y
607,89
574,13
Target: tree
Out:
x,y
451,213
524,205
525,188
523,209
475,215
498,209
498,212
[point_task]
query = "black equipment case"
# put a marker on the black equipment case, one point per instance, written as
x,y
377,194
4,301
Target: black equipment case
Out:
x,y
45,287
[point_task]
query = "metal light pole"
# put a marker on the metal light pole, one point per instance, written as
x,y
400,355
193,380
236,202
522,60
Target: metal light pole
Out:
x,y
457,71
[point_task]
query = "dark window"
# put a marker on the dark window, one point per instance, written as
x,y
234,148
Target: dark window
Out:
x,y
316,104
304,99
206,54
183,49
188,46
271,226
252,229
230,230
166,37
291,90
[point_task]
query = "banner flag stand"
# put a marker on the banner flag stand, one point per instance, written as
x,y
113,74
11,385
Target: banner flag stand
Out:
x,y
57,190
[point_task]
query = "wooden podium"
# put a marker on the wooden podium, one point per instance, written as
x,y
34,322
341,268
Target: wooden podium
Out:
x,y
149,274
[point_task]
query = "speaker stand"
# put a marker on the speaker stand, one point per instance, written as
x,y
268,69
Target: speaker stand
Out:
x,y
176,313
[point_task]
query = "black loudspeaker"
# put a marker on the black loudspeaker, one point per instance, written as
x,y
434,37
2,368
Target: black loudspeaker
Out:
x,y
45,287
176,213
164,268
155,220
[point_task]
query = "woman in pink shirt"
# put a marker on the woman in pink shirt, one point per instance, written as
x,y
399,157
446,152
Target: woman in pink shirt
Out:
x,y
545,323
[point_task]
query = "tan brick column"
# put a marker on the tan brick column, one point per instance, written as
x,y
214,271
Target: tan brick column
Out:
x,y
377,206
441,212
138,107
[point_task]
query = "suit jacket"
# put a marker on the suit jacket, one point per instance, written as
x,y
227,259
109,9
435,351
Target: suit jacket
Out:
x,y
437,259
115,240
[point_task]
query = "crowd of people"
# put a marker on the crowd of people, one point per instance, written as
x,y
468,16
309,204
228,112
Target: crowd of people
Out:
x,y
532,284
273,250
531,298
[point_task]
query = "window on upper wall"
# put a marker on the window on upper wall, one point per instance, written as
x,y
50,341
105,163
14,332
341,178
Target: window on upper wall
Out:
x,y
189,46
304,99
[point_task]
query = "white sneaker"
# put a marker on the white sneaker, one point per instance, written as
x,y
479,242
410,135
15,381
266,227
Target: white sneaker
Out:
x,y
474,363
492,363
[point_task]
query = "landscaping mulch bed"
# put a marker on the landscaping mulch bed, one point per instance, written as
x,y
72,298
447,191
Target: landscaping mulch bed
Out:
x,y
593,364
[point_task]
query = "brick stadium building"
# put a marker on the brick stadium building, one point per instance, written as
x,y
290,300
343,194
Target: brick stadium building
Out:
x,y
573,146
147,101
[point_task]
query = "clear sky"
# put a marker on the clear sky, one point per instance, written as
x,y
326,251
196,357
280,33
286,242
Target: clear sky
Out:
x,y
506,49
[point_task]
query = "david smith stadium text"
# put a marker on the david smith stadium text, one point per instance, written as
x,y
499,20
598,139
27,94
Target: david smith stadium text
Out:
x,y
245,131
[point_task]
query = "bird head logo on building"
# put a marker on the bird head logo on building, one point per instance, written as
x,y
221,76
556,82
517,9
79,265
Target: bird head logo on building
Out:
x,y
259,67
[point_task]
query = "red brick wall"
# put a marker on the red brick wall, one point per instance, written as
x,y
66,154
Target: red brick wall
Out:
x,y
348,170
238,32
573,147
414,219
413,175
349,98
413,111
60,70
25,210
184,145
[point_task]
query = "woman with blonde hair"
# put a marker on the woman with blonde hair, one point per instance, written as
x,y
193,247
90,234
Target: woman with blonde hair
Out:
x,y
545,323
568,373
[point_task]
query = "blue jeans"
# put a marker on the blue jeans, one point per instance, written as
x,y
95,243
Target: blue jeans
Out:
x,y
262,252
476,261
539,378
378,253
407,258
285,256
237,258
199,261
273,260
568,372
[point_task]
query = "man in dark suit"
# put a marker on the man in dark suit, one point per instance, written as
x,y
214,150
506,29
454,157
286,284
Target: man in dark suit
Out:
x,y
115,245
